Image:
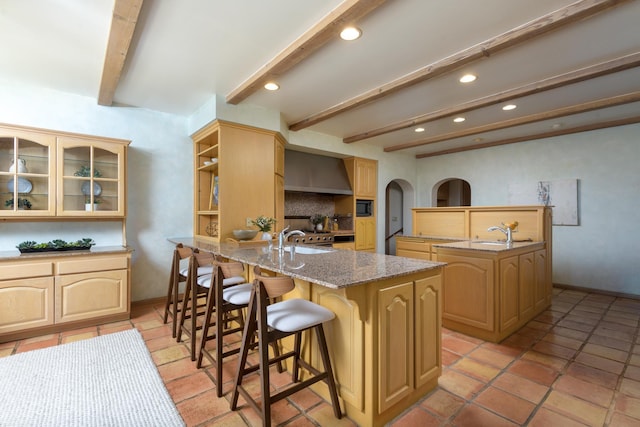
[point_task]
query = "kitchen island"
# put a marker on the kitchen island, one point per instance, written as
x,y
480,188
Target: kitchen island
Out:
x,y
492,289
385,339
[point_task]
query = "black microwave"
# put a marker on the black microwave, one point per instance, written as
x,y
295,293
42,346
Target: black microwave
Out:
x,y
364,207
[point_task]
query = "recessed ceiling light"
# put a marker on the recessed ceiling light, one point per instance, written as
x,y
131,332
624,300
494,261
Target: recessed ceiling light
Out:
x,y
350,33
556,126
478,139
468,78
271,86
418,130
509,107
459,119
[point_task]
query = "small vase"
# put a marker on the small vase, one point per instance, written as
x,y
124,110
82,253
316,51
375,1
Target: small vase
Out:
x,y
319,227
266,235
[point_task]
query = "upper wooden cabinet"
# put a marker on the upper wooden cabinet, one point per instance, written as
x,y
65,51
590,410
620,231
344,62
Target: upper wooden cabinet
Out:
x,y
91,177
238,173
54,174
363,174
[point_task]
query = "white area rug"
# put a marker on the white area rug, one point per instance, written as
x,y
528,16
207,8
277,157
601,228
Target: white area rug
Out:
x,y
106,381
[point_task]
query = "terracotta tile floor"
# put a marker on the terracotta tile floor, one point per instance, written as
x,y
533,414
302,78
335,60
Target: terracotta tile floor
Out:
x,y
576,364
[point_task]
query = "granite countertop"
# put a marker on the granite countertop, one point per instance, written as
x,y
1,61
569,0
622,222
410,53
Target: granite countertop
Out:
x,y
489,245
15,254
334,269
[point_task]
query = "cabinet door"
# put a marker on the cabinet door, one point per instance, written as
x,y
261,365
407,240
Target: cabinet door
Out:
x,y
90,295
468,291
396,348
366,178
365,234
27,162
508,286
26,304
542,292
91,178
526,284
428,309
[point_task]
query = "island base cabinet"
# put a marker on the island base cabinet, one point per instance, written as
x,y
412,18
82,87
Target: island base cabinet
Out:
x,y
26,304
384,343
90,295
492,296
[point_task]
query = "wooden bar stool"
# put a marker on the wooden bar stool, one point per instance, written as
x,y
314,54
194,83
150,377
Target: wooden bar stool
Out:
x,y
178,275
273,322
200,267
228,293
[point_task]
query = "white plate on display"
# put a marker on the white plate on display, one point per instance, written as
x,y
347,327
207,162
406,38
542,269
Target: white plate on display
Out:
x,y
86,188
24,185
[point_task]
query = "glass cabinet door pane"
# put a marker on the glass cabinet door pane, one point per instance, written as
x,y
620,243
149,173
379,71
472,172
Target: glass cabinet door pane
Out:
x,y
24,176
91,179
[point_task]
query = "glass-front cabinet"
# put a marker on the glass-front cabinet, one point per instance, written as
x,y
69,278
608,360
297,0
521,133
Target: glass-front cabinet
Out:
x,y
26,165
92,178
46,174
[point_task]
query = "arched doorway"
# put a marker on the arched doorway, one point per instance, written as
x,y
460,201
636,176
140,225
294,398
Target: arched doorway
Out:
x,y
452,192
399,199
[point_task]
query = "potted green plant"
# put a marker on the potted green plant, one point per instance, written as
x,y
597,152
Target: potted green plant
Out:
x,y
22,203
87,204
86,171
317,220
264,224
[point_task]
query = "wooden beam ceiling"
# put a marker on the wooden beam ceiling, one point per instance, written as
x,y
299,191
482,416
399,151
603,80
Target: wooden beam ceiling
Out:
x,y
123,24
567,131
325,30
532,118
583,74
577,11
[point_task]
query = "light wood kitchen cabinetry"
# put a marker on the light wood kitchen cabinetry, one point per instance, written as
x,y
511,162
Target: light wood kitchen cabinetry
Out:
x,y
61,175
363,176
365,234
384,342
42,294
490,295
366,178
238,175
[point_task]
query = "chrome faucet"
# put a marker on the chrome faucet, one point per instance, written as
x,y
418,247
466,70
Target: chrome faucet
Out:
x,y
283,236
506,230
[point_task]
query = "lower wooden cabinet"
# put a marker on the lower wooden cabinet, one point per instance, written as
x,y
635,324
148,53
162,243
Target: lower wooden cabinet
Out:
x,y
89,295
48,293
365,234
26,303
418,247
491,295
384,343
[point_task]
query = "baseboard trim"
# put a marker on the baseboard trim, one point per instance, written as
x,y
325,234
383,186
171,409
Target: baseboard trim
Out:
x,y
150,301
596,291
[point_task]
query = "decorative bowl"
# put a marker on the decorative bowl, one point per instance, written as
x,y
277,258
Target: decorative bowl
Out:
x,y
245,234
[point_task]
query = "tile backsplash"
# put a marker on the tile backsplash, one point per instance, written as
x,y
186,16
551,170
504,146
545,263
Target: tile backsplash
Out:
x,y
309,204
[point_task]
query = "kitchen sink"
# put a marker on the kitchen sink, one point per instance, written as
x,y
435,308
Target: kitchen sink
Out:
x,y
306,250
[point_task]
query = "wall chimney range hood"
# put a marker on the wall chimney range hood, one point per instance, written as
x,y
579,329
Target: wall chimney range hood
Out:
x,y
314,173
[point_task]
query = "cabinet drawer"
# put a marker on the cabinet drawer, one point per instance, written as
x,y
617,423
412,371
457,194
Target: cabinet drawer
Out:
x,y
414,254
414,245
85,265
23,270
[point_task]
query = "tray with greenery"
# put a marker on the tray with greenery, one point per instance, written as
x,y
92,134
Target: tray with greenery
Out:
x,y
30,246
